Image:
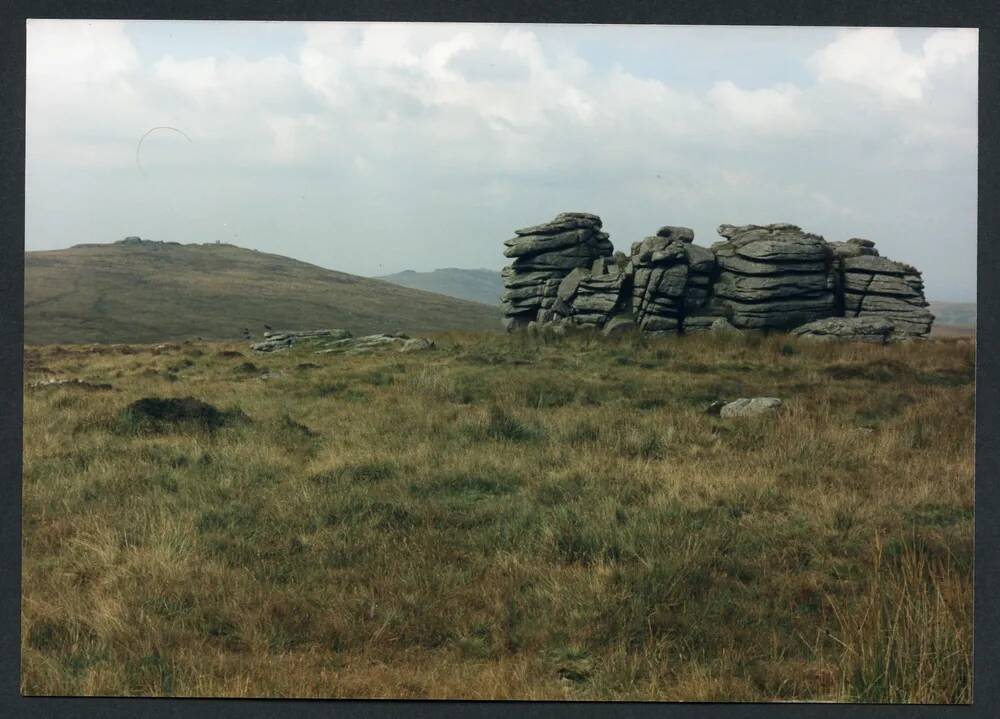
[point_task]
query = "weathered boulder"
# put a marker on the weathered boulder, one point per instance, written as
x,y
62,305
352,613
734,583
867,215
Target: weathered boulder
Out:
x,y
722,326
71,383
619,326
543,255
854,247
417,344
773,276
875,286
681,234
590,297
364,345
672,278
750,407
274,341
858,329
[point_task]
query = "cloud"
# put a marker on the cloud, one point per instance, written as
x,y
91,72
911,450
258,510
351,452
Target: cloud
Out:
x,y
77,75
777,109
92,54
464,131
874,58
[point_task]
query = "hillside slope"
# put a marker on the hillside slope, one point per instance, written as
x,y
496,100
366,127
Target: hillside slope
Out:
x,y
150,291
483,286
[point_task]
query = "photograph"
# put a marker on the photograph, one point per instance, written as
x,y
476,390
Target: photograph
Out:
x,y
499,361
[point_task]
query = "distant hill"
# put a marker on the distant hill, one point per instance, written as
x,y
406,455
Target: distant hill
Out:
x,y
141,291
955,314
482,286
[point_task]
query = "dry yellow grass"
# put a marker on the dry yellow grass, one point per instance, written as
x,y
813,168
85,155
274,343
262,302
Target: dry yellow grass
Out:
x,y
505,517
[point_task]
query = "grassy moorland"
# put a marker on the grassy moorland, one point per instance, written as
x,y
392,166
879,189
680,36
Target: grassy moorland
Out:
x,y
504,517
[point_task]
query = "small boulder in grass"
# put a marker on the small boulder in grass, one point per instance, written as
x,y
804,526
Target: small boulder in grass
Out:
x,y
857,329
417,344
74,383
161,414
750,407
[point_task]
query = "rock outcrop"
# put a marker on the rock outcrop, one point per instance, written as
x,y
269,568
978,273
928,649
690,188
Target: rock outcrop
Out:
x,y
590,296
543,255
750,407
339,341
875,286
858,329
760,277
283,340
773,276
660,274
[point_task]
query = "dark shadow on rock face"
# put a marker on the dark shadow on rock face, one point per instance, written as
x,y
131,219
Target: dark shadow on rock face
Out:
x,y
161,414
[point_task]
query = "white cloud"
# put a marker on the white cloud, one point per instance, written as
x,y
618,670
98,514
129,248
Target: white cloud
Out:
x,y
950,47
776,109
93,53
874,58
76,71
465,125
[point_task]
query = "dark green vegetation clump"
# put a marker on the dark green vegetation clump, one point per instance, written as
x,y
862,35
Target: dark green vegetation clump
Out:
x,y
507,517
160,414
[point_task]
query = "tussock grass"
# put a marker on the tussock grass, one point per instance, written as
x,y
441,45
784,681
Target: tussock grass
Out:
x,y
504,517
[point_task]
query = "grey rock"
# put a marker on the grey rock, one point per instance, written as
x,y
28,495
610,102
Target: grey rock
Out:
x,y
900,285
568,285
700,259
770,287
877,265
69,382
655,323
769,277
750,407
860,329
535,244
854,247
619,326
563,221
722,326
681,234
597,303
750,267
857,302
417,344
698,323
512,323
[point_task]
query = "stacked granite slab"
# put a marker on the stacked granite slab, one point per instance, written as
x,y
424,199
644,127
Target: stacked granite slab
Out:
x,y
874,286
773,276
769,277
591,296
659,268
543,256
701,308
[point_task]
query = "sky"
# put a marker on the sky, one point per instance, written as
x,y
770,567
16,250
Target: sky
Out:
x,y
371,148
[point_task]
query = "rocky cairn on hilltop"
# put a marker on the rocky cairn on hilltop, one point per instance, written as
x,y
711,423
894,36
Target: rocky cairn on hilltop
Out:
x,y
759,277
